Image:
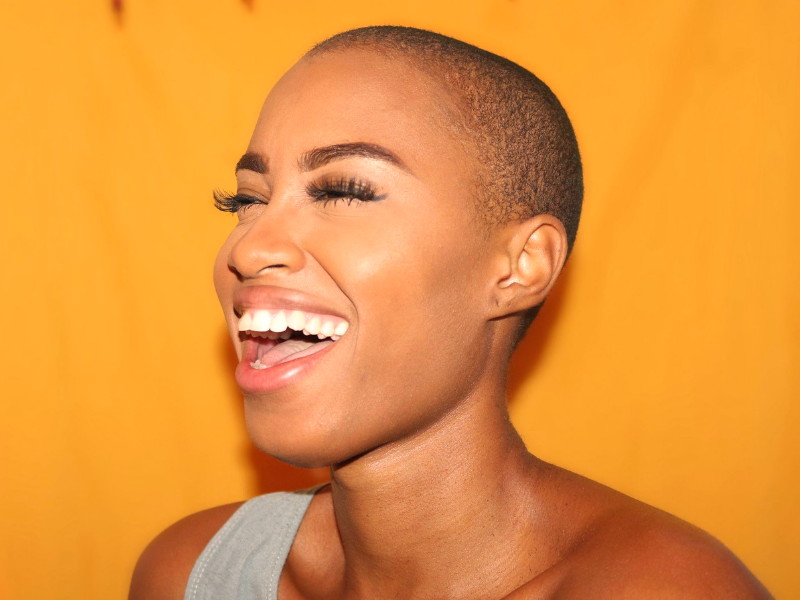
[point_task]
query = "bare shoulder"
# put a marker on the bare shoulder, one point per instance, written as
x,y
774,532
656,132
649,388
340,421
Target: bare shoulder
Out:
x,y
163,569
628,549
644,554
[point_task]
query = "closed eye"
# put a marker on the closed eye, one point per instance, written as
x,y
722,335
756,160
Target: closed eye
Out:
x,y
343,189
233,203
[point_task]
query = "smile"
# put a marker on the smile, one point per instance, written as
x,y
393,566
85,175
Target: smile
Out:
x,y
280,344
273,337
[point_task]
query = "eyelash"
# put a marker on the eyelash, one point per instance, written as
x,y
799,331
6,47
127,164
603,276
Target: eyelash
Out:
x,y
233,203
343,189
348,190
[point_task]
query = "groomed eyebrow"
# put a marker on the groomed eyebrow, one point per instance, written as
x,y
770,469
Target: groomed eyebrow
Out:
x,y
319,157
251,161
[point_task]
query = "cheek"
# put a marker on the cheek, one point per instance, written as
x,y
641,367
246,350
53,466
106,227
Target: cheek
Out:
x,y
416,316
224,284
414,290
223,277
385,273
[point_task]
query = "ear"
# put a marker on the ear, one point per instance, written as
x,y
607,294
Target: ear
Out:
x,y
530,260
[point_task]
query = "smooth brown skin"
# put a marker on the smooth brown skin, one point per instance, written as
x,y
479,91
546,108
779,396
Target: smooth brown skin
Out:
x,y
433,493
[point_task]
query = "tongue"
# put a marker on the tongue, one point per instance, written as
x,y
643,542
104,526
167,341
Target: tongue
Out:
x,y
289,350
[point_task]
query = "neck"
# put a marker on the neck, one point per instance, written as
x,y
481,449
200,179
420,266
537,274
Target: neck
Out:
x,y
438,514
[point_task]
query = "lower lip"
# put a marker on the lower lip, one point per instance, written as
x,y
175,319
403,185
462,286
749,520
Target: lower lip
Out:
x,y
263,381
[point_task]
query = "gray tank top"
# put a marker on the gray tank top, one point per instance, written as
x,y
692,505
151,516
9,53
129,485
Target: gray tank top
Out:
x,y
244,560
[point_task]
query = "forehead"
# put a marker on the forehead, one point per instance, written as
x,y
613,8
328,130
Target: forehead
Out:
x,y
360,96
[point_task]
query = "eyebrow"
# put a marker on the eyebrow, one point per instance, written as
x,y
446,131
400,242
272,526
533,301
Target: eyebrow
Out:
x,y
251,161
319,157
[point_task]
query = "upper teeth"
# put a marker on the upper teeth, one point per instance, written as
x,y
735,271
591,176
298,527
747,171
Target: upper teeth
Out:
x,y
273,322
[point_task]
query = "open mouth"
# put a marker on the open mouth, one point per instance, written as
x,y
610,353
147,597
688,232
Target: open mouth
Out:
x,y
273,337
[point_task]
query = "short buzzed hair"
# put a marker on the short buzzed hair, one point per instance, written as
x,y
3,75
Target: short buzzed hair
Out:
x,y
527,155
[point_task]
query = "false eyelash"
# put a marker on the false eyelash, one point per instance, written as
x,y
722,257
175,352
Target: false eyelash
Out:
x,y
233,203
343,188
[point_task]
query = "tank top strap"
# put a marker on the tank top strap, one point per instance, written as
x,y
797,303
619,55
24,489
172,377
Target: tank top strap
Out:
x,y
244,560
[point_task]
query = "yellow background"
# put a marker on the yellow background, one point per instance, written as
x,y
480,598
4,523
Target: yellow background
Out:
x,y
665,365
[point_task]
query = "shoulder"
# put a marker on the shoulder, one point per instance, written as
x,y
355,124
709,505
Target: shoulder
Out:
x,y
642,552
617,547
163,569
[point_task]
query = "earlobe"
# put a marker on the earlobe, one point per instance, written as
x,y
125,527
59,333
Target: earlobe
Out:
x,y
533,256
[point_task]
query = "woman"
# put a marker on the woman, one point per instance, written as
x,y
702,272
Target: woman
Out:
x,y
405,205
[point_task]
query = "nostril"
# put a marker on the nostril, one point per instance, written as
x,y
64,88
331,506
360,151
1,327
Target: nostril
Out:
x,y
235,271
267,269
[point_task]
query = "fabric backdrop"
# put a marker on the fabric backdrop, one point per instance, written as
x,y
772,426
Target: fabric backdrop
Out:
x,y
665,364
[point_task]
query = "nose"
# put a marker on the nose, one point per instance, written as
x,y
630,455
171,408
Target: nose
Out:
x,y
267,246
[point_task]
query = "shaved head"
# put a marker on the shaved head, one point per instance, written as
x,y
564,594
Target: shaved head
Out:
x,y
527,159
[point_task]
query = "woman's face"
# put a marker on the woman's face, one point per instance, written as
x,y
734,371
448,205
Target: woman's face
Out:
x,y
361,212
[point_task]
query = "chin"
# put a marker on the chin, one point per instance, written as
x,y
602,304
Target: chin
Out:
x,y
304,443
